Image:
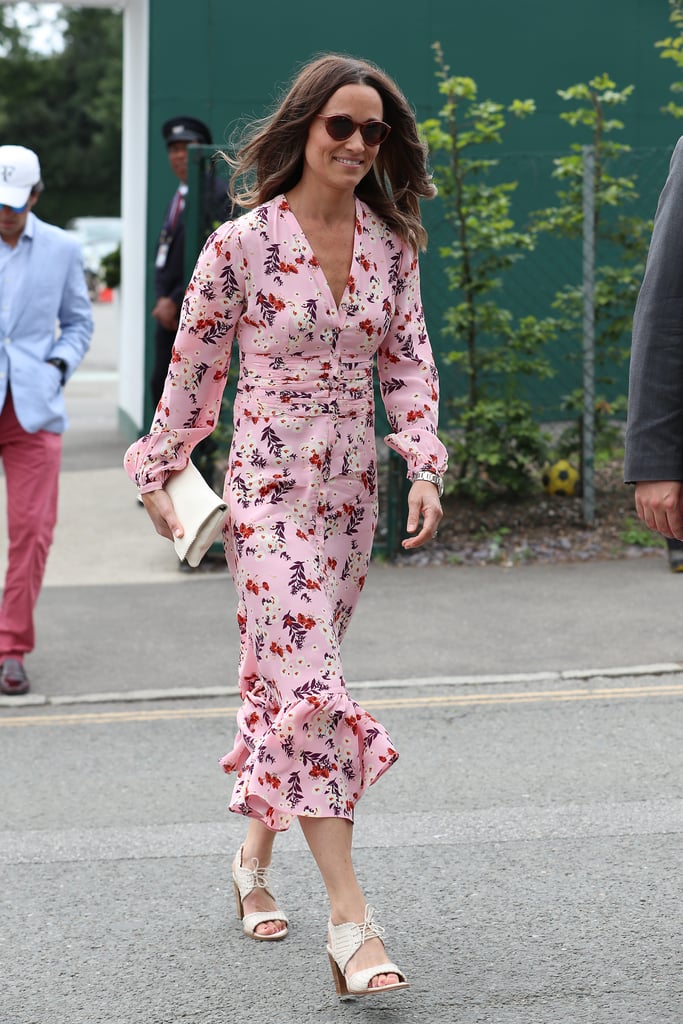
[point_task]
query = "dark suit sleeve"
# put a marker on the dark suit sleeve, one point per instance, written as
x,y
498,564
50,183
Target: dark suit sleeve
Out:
x,y
170,280
654,429
175,269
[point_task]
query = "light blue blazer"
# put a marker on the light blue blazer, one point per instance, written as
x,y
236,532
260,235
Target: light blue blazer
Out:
x,y
51,317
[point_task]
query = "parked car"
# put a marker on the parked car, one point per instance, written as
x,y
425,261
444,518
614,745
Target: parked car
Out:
x,y
99,236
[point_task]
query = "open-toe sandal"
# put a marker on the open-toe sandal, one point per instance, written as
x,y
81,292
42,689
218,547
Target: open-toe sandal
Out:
x,y
345,940
245,880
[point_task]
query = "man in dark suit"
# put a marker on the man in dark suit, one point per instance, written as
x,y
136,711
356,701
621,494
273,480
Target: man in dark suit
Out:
x,y
654,432
170,278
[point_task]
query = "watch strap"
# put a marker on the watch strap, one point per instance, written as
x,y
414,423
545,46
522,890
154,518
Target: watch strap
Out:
x,y
432,478
59,364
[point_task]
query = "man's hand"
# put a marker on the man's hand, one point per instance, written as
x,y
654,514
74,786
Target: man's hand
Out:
x,y
166,312
659,503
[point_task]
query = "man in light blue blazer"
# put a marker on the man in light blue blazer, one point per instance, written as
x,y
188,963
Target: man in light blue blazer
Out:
x,y
45,330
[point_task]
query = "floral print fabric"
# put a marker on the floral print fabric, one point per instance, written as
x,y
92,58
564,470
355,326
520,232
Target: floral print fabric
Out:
x,y
301,485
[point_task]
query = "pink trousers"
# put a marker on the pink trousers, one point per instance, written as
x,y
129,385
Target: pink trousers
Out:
x,y
31,463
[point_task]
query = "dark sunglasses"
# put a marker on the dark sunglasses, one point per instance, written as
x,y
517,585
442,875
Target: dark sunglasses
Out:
x,y
16,209
341,127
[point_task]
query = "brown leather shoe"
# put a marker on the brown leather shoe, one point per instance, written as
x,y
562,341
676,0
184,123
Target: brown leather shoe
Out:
x,y
13,678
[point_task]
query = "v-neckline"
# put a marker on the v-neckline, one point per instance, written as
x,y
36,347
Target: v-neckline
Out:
x,y
318,267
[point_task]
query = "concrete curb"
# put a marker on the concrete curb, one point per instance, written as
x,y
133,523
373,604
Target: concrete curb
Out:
x,y
207,692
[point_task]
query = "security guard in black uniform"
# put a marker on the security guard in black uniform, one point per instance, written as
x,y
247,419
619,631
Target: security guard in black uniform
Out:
x,y
169,271
170,281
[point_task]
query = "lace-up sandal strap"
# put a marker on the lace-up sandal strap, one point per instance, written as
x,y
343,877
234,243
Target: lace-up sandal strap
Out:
x,y
346,939
248,879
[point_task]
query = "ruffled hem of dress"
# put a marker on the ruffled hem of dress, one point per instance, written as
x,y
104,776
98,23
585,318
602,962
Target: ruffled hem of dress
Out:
x,y
421,449
316,775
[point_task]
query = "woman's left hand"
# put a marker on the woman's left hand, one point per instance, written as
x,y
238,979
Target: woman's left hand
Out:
x,y
423,503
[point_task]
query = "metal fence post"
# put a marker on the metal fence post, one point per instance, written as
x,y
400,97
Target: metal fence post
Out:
x,y
194,207
588,431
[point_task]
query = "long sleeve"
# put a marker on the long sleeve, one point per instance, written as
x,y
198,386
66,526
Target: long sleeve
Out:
x,y
654,431
190,404
408,376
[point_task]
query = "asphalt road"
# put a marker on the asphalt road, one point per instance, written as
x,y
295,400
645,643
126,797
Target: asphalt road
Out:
x,y
524,854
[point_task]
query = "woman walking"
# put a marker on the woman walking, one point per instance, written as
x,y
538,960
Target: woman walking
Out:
x,y
318,279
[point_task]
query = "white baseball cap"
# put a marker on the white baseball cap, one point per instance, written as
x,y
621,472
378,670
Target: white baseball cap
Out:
x,y
19,173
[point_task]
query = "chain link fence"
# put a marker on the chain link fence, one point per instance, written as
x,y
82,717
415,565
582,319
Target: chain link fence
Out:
x,y
529,287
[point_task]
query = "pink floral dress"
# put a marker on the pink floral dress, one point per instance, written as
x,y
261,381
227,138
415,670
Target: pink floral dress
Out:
x,y
301,484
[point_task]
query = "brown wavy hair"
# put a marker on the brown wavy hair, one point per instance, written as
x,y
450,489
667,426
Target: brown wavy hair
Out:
x,y
269,160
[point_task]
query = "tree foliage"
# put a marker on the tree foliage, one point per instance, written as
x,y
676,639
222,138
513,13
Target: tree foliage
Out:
x,y
672,49
67,107
621,244
495,443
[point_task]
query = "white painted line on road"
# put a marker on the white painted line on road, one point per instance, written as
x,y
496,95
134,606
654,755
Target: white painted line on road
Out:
x,y
665,668
28,700
205,692
514,677
179,693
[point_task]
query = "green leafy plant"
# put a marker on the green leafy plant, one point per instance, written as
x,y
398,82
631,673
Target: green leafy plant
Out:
x,y
636,534
495,444
608,438
111,268
672,49
622,245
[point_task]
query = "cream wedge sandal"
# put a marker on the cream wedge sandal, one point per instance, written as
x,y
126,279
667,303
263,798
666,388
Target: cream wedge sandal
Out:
x,y
345,940
245,880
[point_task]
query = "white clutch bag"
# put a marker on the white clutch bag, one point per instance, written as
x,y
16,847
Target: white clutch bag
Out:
x,y
199,509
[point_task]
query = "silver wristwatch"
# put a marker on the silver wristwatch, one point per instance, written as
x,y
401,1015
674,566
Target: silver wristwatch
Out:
x,y
433,478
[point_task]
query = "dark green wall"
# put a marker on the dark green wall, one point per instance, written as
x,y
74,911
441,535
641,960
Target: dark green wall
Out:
x,y
527,48
208,64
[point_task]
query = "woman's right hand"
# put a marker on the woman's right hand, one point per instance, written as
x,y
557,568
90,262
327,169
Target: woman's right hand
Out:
x,y
159,508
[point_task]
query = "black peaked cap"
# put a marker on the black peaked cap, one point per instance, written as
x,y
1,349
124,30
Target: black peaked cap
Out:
x,y
186,129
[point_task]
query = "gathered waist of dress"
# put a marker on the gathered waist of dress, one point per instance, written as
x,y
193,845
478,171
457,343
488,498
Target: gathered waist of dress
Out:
x,y
314,378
